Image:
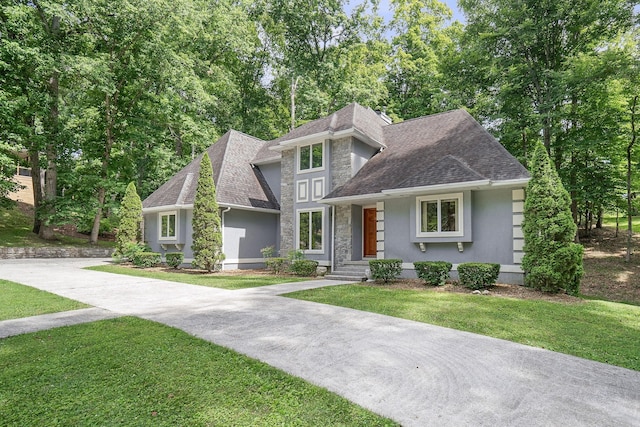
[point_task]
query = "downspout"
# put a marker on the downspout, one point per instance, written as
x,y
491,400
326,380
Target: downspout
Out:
x,y
333,236
222,224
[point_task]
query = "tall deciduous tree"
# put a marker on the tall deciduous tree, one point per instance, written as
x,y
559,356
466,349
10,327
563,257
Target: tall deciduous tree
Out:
x,y
130,219
207,233
552,262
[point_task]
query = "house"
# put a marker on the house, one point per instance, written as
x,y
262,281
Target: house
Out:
x,y
353,186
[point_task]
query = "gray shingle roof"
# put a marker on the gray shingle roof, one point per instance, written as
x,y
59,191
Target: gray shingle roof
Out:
x,y
237,182
439,149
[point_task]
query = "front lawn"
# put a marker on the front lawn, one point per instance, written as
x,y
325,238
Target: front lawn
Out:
x,y
24,301
597,330
129,371
213,280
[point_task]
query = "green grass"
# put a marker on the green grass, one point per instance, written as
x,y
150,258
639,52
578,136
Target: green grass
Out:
x,y
15,231
23,301
610,221
597,330
215,280
129,371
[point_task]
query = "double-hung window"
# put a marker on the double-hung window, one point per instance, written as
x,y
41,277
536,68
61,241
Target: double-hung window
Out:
x,y
310,230
311,157
439,216
167,223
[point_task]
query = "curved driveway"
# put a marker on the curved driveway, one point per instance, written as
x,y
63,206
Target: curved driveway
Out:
x,y
414,373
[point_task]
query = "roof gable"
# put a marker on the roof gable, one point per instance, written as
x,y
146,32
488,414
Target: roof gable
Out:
x,y
443,148
237,181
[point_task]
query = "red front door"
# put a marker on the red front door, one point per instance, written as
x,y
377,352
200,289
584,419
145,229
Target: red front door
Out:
x,y
369,232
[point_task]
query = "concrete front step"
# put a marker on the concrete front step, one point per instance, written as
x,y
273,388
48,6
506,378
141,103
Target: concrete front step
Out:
x,y
336,276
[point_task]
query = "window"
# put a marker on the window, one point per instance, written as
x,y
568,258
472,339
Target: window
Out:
x,y
310,230
168,225
310,157
439,216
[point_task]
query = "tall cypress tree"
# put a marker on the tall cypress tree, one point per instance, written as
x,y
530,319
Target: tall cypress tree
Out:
x,y
207,234
130,219
552,262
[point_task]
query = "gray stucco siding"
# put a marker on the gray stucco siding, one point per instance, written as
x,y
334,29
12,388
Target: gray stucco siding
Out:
x,y
272,173
246,232
360,155
490,225
183,227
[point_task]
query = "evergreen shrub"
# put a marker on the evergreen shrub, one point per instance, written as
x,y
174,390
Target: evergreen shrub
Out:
x,y
147,259
552,262
385,269
477,275
128,230
174,259
304,267
276,265
434,273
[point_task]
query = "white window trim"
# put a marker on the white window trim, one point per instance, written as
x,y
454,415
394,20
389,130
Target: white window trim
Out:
x,y
297,230
439,198
167,213
324,159
302,191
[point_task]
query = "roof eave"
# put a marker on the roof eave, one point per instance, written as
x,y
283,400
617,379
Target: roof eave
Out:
x,y
321,136
164,208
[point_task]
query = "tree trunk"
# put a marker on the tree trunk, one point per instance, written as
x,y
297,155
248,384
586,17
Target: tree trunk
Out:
x,y
36,181
629,175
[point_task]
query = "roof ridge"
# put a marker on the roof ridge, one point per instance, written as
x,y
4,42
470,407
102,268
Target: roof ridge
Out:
x,y
428,116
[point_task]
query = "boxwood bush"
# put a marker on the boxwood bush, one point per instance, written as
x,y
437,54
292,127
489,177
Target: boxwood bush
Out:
x,y
276,265
385,269
174,259
304,267
434,273
147,259
477,275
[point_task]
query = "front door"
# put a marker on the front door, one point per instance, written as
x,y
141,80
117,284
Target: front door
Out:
x,y
369,232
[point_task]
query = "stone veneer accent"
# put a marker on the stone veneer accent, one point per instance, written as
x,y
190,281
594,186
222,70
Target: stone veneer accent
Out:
x,y
287,194
49,252
517,197
341,171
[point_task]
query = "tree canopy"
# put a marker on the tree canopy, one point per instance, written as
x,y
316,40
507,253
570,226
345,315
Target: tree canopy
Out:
x,y
101,93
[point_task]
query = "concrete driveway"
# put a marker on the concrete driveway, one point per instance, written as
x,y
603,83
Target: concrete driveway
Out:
x,y
414,373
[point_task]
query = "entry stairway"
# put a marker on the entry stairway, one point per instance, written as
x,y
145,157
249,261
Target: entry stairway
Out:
x,y
350,270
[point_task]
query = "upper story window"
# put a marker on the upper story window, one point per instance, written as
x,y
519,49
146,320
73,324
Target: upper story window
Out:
x,y
167,223
439,216
311,157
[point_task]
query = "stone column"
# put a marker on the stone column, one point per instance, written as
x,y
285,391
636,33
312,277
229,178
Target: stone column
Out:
x,y
287,190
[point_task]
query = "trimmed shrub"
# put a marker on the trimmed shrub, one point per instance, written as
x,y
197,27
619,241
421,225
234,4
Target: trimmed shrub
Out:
x,y
434,273
304,267
276,265
385,269
130,218
174,259
147,259
295,255
478,275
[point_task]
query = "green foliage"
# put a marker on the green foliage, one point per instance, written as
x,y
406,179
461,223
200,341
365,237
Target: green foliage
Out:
x,y
174,259
477,275
147,259
295,255
130,250
277,265
267,252
434,273
130,219
304,267
207,234
385,269
552,262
